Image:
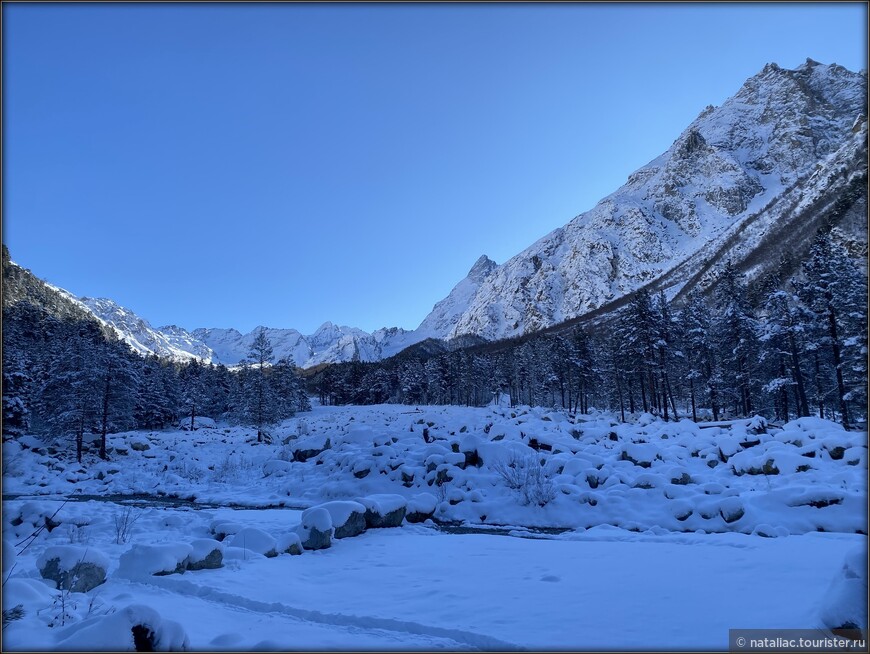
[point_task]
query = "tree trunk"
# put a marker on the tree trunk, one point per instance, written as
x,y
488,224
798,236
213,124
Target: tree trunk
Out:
x,y
714,396
80,436
838,364
818,380
643,394
797,374
784,392
692,397
621,403
105,418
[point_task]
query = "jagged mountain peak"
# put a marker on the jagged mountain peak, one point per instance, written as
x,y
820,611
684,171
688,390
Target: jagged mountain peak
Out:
x,y
481,268
442,320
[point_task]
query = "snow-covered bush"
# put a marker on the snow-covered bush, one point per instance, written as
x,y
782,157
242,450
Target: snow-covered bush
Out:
x,y
189,471
526,474
232,467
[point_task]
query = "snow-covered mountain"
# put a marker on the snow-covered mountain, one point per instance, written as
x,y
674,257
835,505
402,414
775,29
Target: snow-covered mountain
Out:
x,y
168,342
329,344
743,181
729,164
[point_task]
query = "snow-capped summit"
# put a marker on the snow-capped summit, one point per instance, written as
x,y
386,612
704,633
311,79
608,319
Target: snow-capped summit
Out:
x,y
481,268
726,167
441,321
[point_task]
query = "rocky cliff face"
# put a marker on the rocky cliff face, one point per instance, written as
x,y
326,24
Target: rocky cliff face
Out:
x,y
725,168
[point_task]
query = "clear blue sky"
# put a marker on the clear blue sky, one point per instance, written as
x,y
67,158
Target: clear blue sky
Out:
x,y
237,165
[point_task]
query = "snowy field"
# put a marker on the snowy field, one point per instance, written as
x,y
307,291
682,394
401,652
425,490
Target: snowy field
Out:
x,y
652,535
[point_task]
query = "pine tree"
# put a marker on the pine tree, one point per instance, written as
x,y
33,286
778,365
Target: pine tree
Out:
x,y
702,372
192,379
258,393
70,397
834,290
735,337
157,397
119,381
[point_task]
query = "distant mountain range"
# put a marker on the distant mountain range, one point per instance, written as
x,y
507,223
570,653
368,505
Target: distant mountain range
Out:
x,y
744,181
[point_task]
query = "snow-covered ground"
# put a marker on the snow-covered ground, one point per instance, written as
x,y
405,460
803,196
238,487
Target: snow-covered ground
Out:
x,y
653,535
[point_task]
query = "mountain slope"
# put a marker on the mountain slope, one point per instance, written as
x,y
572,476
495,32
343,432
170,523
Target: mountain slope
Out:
x,y
168,343
726,167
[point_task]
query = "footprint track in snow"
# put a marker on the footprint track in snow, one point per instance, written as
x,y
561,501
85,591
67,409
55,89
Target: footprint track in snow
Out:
x,y
468,639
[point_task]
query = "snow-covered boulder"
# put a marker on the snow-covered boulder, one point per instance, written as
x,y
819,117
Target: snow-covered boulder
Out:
x,y
37,515
73,568
276,467
731,509
348,518
140,444
255,540
384,510
307,448
136,628
290,543
315,530
421,507
845,604
199,422
207,554
223,528
145,560
640,454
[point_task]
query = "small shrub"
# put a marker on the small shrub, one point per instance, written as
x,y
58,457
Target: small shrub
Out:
x,y
124,522
78,534
13,614
231,468
189,471
526,474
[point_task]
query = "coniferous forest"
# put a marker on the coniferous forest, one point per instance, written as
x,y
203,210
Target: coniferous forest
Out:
x,y
781,348
66,378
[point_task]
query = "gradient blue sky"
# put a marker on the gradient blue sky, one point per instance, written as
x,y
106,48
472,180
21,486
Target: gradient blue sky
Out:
x,y
284,165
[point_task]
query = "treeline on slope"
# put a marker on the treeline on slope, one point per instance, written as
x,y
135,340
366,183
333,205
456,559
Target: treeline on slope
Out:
x,y
64,378
799,349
